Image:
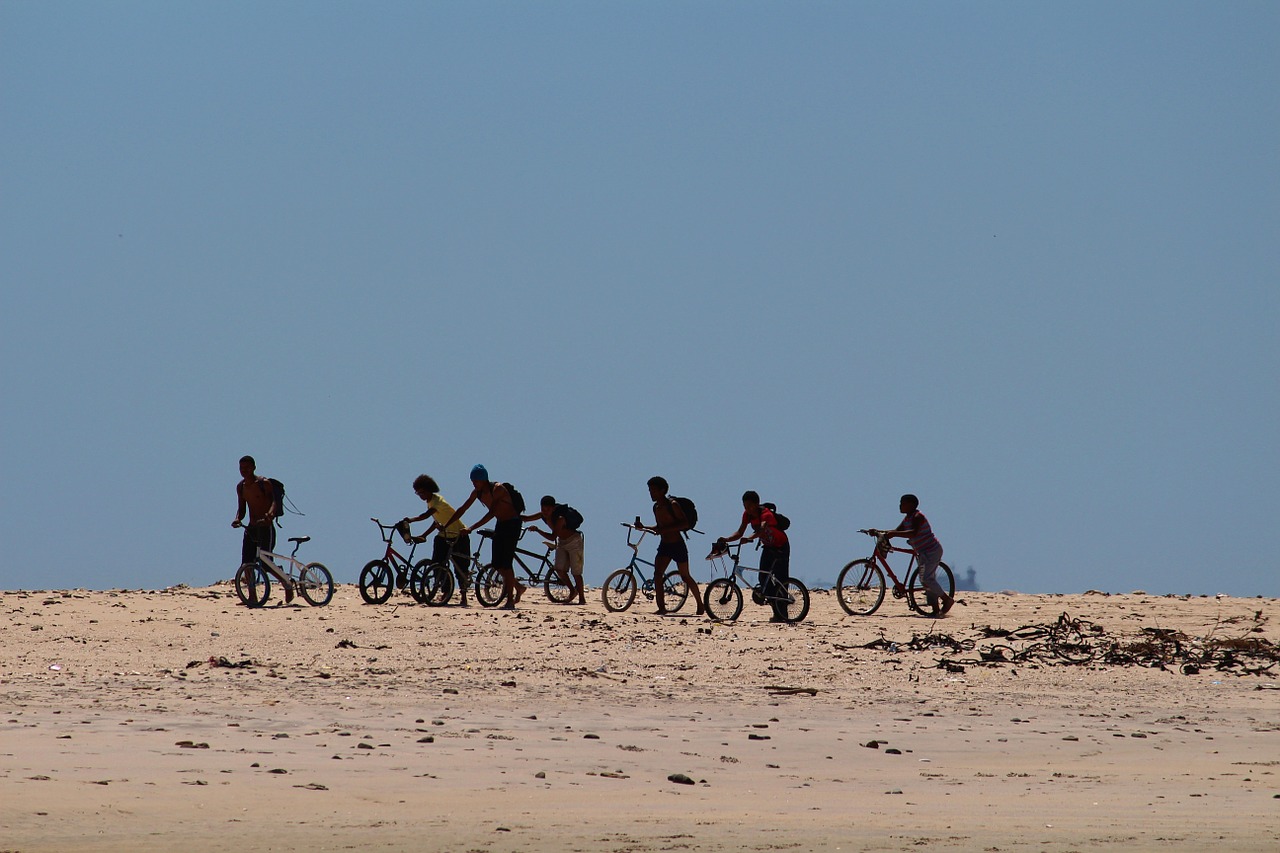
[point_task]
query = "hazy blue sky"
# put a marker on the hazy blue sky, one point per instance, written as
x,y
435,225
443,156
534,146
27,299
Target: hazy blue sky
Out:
x,y
1018,258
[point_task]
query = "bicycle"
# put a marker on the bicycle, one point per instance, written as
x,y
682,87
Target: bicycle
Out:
x,y
723,596
379,578
489,591
311,580
619,590
860,586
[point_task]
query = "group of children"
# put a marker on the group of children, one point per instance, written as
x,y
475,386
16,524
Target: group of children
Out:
x,y
505,507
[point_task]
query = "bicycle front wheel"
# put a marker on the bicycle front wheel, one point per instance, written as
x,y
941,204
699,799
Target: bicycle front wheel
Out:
x,y
797,601
918,596
253,585
376,582
431,584
315,584
489,591
860,588
675,592
619,591
555,587
723,600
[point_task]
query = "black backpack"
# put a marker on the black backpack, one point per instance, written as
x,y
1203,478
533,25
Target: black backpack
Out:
x,y
572,518
517,499
783,521
690,512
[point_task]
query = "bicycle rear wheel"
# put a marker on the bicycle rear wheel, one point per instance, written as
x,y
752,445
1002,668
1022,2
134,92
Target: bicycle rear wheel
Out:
x,y
431,583
798,606
918,596
619,591
489,590
860,588
376,582
253,585
315,584
723,600
675,592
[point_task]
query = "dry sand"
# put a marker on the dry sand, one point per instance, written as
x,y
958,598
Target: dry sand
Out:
x,y
401,727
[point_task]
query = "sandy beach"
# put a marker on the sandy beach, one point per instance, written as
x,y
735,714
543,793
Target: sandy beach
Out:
x,y
178,719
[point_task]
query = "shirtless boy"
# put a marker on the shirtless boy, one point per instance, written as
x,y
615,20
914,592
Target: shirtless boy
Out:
x,y
506,529
256,494
669,524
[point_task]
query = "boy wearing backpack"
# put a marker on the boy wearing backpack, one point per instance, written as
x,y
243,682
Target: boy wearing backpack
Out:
x,y
671,520
565,524
775,555
505,505
258,496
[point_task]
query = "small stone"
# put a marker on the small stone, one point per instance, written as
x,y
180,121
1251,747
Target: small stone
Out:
x,y
541,774
680,779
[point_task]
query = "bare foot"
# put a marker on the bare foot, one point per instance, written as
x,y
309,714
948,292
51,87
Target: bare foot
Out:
x,y
520,588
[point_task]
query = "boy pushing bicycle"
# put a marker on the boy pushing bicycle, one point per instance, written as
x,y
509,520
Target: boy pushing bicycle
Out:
x,y
564,522
452,542
257,495
916,530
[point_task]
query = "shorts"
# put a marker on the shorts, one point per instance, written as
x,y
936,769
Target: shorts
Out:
x,y
506,535
569,552
676,549
458,549
257,536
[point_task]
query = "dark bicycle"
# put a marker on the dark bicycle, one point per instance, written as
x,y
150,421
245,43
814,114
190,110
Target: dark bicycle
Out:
x,y
723,596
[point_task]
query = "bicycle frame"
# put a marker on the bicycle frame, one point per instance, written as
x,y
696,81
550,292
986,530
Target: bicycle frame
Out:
x,y
733,552
393,557
647,583
295,565
880,555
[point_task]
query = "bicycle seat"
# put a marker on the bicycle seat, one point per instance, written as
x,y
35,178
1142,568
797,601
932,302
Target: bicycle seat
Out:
x,y
299,539
486,533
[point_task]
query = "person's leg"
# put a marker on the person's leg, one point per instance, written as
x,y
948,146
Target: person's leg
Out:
x,y
561,565
460,550
691,585
660,564
779,567
937,597
577,551
506,535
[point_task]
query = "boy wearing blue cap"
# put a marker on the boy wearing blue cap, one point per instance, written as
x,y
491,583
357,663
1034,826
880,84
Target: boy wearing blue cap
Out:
x,y
506,529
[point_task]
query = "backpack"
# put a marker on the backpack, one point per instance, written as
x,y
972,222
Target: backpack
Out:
x,y
572,518
690,512
783,521
517,499
277,496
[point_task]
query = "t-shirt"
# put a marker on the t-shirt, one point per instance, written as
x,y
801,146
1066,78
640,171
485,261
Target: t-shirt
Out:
x,y
767,527
919,534
441,511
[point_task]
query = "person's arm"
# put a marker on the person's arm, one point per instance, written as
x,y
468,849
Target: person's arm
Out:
x,y
490,514
458,513
240,506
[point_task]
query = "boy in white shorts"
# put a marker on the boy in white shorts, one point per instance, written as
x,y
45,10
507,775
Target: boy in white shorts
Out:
x,y
564,522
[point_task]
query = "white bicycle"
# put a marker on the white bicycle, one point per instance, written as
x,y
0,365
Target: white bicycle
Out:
x,y
310,580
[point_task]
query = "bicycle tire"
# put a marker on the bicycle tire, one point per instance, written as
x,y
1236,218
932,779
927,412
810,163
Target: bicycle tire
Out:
x,y
376,582
798,606
723,600
918,598
557,591
253,585
432,584
619,591
675,592
315,584
860,587
489,591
